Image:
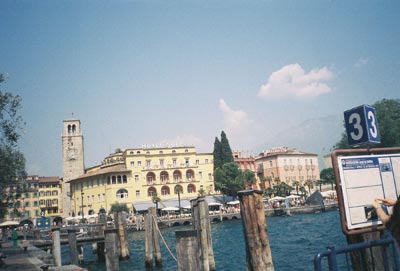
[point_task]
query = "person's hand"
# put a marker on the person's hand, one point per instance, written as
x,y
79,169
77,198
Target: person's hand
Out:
x,y
388,202
377,203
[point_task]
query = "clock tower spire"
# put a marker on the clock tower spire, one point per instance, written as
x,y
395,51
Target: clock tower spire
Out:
x,y
72,160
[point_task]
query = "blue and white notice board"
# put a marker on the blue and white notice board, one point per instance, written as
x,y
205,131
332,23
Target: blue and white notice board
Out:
x,y
364,178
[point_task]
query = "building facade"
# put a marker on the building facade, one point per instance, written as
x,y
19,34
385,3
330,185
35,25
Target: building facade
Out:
x,y
288,165
245,160
33,198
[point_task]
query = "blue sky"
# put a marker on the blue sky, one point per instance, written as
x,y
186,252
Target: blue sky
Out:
x,y
268,73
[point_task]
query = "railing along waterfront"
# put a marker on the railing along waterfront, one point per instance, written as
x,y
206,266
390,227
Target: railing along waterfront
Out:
x,y
341,258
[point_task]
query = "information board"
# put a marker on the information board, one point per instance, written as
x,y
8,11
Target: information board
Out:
x,y
364,178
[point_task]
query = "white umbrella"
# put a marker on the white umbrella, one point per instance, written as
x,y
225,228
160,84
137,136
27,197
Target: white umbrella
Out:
x,y
170,209
293,197
9,223
234,202
214,204
277,198
187,207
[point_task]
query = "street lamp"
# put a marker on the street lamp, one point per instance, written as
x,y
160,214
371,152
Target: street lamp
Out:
x,y
83,217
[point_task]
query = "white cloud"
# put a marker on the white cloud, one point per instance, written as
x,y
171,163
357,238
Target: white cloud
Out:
x,y
362,61
237,125
292,80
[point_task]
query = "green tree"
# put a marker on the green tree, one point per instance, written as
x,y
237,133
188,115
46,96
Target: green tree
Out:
x,y
230,179
217,153
263,180
320,183
226,151
12,161
269,180
201,192
328,176
388,118
249,178
296,184
119,207
269,192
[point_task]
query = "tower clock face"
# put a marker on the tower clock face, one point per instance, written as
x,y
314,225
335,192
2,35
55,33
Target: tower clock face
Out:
x,y
71,154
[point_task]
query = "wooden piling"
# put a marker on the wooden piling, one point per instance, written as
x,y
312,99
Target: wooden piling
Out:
x,y
120,221
111,250
156,243
201,223
73,248
187,250
101,245
56,246
258,251
148,240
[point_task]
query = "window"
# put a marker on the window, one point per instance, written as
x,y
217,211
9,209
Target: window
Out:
x,y
197,162
48,193
113,180
163,177
189,175
148,164
55,202
174,162
119,179
103,197
124,179
137,178
109,180
191,189
54,193
161,162
122,194
209,176
149,179
35,203
92,198
151,192
91,183
206,161
137,193
98,198
200,175
132,163
187,162
165,190
176,177
139,163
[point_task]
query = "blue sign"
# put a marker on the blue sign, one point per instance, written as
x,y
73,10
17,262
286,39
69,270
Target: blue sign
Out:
x,y
361,125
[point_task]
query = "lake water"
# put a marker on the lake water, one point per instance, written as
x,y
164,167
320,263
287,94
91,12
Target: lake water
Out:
x,y
294,242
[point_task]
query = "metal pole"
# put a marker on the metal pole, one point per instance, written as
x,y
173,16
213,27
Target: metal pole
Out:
x,y
83,216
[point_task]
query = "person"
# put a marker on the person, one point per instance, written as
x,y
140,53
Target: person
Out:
x,y
392,222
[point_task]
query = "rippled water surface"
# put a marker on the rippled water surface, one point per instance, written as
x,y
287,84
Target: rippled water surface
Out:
x,y
294,242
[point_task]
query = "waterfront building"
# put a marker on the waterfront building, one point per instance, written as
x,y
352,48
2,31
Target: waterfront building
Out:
x,y
246,160
33,197
288,165
134,176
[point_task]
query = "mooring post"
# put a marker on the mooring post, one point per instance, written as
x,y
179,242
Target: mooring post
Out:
x,y
120,220
56,246
148,240
111,250
36,234
205,233
101,245
73,248
258,251
156,243
187,250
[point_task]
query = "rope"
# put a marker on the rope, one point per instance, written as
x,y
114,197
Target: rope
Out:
x,y
162,238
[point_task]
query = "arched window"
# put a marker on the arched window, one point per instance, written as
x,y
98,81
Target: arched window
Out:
x,y
113,179
165,190
124,179
164,177
177,176
191,188
122,194
74,129
119,179
151,192
48,193
189,175
151,178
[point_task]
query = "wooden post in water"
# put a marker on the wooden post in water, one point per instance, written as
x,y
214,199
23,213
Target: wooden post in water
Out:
x,y
111,250
187,250
101,245
36,234
73,248
148,240
156,243
120,220
201,223
56,246
258,251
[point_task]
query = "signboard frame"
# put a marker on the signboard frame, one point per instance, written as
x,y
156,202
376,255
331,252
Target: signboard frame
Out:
x,y
348,153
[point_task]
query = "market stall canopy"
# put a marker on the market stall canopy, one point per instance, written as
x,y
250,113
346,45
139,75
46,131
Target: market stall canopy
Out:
x,y
293,197
9,223
234,202
214,204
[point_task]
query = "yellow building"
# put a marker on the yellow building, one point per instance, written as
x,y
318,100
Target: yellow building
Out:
x,y
134,176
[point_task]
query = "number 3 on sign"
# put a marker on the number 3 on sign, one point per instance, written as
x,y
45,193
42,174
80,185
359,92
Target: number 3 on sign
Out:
x,y
361,125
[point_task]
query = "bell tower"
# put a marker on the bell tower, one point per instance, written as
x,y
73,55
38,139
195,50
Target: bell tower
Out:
x,y
72,160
